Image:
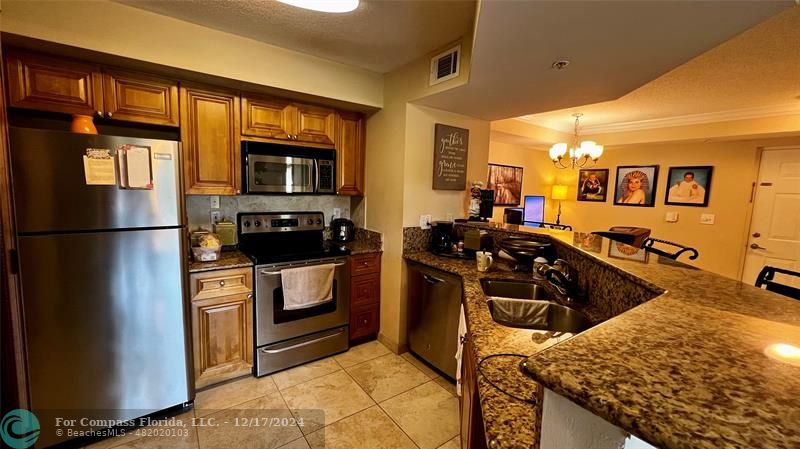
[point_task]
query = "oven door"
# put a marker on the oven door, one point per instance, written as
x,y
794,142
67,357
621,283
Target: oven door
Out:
x,y
280,174
273,324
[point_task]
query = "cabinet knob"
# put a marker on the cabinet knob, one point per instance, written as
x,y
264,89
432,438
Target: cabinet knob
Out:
x,y
238,191
365,322
99,113
108,114
221,283
249,296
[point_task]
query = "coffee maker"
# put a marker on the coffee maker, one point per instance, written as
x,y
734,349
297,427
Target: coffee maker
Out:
x,y
442,237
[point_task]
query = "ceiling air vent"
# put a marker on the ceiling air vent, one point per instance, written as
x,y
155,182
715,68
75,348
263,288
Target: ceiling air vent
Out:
x,y
444,66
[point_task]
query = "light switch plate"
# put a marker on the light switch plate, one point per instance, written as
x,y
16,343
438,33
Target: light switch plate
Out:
x,y
216,216
425,221
214,202
671,217
707,219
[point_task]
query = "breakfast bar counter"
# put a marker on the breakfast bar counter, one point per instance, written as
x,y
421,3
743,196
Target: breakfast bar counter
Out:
x,y
680,357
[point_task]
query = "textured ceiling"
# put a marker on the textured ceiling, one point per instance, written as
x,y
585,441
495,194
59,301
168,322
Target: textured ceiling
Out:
x,y
758,70
380,35
614,47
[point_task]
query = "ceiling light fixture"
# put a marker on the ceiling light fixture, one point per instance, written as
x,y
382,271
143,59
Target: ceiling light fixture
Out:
x,y
334,6
579,154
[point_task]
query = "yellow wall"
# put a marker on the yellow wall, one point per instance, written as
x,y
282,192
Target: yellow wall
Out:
x,y
722,244
419,196
118,29
399,143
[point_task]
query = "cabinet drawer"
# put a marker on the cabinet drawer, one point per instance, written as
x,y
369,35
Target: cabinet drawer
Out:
x,y
211,284
364,321
365,289
365,264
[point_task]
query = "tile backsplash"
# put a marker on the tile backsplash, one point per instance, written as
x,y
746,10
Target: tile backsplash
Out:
x,y
198,207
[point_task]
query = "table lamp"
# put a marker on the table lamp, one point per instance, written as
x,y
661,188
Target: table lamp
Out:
x,y
559,193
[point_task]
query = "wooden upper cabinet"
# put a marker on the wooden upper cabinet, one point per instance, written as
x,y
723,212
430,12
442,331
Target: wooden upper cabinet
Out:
x,y
266,117
350,155
53,84
210,136
140,98
315,124
275,118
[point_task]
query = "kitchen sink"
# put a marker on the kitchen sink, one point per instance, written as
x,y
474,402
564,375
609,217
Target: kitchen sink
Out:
x,y
514,289
540,315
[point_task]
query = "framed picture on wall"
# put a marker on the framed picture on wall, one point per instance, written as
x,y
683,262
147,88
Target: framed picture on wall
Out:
x,y
506,181
689,186
593,184
636,185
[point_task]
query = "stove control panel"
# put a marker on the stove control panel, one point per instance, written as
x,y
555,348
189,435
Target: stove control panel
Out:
x,y
261,222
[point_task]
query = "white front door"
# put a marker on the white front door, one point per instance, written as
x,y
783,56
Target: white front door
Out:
x,y
774,238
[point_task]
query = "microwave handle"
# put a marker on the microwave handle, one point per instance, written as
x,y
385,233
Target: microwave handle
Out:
x,y
316,176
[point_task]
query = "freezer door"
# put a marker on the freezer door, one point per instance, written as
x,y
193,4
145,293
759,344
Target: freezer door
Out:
x,y
51,194
105,324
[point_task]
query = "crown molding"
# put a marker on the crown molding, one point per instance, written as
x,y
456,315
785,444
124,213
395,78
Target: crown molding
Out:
x,y
682,120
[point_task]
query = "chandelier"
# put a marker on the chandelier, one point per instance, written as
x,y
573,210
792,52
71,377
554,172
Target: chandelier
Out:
x,y
576,155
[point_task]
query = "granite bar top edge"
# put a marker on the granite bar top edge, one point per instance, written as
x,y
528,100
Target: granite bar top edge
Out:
x,y
226,261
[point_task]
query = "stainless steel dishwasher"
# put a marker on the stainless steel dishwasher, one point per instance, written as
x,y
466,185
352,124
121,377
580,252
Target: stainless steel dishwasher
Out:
x,y
434,304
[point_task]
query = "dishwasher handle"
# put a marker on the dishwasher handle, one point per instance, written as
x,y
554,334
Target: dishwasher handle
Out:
x,y
432,279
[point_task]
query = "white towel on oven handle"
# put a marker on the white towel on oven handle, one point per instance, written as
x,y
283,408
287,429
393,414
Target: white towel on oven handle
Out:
x,y
306,287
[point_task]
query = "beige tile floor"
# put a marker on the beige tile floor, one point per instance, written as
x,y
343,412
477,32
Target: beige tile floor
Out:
x,y
371,399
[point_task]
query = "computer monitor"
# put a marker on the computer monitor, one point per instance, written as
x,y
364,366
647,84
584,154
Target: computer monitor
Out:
x,y
534,208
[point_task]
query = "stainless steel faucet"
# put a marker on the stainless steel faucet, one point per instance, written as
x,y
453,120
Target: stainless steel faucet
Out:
x,y
563,277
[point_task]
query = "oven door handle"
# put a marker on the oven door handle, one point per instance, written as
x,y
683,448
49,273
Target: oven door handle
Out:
x,y
275,273
300,345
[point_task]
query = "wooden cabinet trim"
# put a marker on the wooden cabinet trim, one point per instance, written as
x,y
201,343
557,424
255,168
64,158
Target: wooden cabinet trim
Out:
x,y
314,124
267,117
364,321
210,284
365,264
365,289
139,97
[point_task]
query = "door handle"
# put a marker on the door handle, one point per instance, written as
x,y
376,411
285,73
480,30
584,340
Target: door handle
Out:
x,y
300,345
431,279
275,273
756,246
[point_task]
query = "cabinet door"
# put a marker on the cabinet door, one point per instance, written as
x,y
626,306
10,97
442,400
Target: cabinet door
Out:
x,y
350,155
53,84
315,124
473,435
222,333
140,98
267,117
210,136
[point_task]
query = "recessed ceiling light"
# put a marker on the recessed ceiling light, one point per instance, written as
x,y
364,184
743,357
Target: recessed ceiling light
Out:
x,y
560,65
784,352
336,6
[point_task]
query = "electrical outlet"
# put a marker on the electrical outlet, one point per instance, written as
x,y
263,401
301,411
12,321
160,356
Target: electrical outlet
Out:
x,y
707,219
425,221
216,217
214,202
671,217
337,212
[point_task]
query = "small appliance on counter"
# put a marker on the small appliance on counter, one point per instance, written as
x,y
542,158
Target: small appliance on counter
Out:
x,y
442,237
477,240
342,230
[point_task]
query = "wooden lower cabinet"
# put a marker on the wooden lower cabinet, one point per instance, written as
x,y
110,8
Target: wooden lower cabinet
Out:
x,y
365,296
222,325
473,435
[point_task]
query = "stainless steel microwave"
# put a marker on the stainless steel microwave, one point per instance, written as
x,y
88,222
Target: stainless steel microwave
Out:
x,y
275,168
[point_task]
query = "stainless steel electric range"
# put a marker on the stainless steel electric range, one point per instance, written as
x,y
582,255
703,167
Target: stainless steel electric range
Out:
x,y
285,338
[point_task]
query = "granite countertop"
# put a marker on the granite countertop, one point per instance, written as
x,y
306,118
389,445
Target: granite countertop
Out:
x,y
508,422
687,369
227,259
363,247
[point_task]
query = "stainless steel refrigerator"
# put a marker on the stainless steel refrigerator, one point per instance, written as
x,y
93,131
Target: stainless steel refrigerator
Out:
x,y
101,260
